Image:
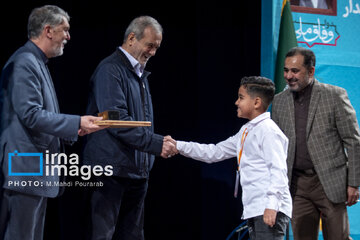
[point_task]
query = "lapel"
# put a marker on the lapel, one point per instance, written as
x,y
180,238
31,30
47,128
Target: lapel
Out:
x,y
40,58
314,102
290,109
50,85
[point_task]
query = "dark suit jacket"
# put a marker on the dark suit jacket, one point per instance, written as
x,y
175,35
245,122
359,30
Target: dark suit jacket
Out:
x,y
333,138
30,119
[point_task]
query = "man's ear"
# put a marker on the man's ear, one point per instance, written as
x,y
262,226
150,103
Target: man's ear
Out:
x,y
48,31
131,38
312,72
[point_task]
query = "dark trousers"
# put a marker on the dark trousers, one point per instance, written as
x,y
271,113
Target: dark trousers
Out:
x,y
117,209
258,230
22,216
309,203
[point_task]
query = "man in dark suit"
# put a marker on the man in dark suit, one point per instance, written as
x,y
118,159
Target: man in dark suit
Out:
x,y
31,123
324,149
120,83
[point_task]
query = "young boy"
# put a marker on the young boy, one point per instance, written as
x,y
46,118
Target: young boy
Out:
x,y
261,150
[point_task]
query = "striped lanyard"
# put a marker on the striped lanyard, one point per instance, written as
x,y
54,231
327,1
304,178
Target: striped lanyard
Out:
x,y
237,180
243,138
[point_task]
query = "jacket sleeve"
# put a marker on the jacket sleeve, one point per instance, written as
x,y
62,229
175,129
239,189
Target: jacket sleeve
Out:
x,y
111,94
27,97
348,128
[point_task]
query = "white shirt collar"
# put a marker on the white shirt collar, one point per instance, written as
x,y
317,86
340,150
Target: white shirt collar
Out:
x,y
139,69
255,121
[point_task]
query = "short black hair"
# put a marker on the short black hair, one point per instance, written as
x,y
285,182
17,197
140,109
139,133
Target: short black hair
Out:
x,y
309,56
257,86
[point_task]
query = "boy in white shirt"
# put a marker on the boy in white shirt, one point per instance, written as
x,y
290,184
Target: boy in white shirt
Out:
x,y
261,150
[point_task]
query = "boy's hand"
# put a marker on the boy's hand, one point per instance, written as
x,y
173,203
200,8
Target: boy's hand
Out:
x,y
270,217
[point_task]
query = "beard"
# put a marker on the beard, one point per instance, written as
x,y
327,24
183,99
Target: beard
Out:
x,y
59,50
300,84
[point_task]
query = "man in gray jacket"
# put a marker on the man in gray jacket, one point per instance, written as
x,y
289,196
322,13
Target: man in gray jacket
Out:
x,y
324,149
31,123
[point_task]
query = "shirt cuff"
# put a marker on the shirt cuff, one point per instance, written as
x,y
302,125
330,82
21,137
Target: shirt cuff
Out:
x,y
272,203
180,145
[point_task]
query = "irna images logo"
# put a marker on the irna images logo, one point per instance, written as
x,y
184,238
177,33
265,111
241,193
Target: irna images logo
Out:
x,y
15,157
56,164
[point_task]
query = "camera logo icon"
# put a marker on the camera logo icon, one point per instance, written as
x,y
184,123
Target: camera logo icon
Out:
x,y
19,164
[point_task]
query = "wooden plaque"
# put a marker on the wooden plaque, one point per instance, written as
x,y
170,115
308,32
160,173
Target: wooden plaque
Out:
x,y
122,124
111,119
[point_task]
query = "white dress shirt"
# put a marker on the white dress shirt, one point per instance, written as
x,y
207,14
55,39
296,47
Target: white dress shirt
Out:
x,y
263,168
139,69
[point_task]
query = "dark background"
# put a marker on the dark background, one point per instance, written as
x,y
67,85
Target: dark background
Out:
x,y
208,46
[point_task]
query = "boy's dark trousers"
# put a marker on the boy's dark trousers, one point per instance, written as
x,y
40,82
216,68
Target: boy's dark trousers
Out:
x,y
258,230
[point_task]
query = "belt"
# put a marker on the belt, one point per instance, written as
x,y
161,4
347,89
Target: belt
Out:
x,y
309,172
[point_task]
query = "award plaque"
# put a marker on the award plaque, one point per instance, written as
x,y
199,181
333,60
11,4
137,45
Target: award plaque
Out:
x,y
111,119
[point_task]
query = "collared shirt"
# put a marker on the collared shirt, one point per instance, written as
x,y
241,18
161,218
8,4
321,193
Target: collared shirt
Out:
x,y
301,108
40,52
263,167
139,69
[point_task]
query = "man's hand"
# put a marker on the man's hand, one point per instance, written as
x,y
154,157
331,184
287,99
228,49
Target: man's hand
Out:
x,y
353,195
169,147
270,217
168,138
88,126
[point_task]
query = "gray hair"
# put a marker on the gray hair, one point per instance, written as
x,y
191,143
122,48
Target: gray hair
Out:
x,y
139,24
45,15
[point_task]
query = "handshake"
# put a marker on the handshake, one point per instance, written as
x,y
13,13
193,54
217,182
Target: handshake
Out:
x,y
169,147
